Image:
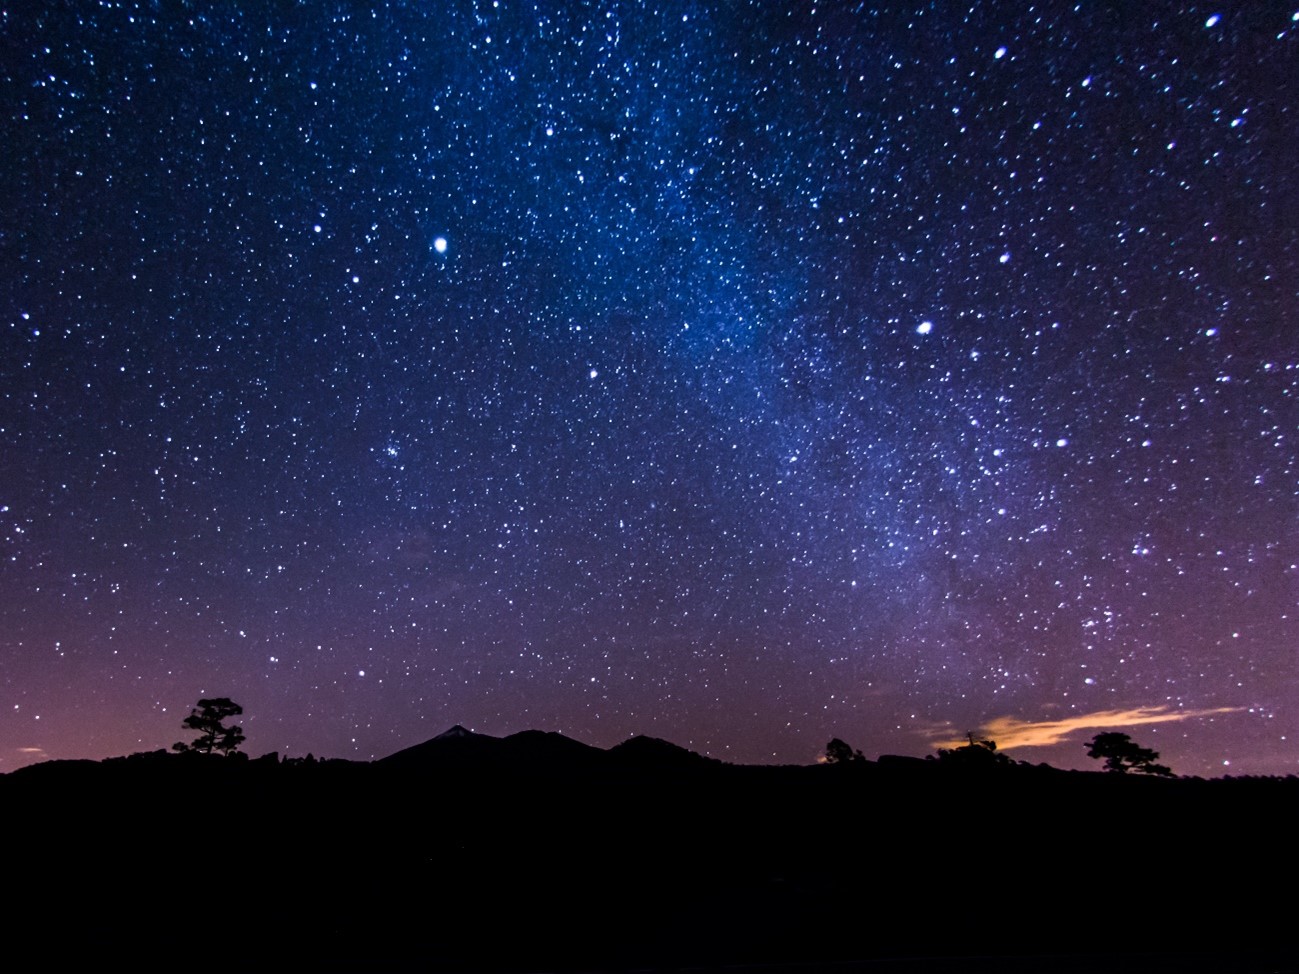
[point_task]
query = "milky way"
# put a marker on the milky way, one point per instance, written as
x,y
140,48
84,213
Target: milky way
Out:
x,y
743,374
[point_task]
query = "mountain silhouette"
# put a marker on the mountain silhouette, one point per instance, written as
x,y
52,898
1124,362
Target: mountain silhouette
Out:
x,y
552,749
535,750
653,752
455,747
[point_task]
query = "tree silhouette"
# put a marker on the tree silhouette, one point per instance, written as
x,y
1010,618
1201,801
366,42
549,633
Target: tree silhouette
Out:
x,y
839,752
214,735
1122,754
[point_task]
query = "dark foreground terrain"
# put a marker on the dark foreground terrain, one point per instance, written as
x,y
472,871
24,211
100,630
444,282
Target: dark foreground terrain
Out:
x,y
538,853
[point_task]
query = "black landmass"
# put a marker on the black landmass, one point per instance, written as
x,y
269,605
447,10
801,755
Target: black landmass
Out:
x,y
535,852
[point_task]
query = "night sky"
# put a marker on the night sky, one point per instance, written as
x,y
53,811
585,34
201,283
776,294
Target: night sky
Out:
x,y
739,373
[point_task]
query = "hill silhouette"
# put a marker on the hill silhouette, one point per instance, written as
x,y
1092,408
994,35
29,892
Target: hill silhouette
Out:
x,y
653,752
535,851
461,748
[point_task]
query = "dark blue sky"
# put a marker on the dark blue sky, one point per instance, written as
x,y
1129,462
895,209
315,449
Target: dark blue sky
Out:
x,y
744,374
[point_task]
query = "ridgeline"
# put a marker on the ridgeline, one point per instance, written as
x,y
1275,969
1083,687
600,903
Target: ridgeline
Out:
x,y
537,852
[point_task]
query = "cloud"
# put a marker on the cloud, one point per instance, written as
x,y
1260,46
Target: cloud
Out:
x,y
32,750
1011,732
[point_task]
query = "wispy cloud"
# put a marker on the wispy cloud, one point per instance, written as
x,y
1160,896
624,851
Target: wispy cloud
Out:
x,y
31,750
1011,732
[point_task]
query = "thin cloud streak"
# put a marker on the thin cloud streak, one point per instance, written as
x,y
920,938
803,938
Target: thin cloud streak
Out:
x,y
1011,732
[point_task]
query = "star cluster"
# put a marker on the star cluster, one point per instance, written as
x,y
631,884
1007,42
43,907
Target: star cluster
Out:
x,y
740,373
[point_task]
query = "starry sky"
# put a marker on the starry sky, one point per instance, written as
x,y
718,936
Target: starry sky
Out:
x,y
739,373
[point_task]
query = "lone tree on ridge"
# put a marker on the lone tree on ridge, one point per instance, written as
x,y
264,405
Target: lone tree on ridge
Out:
x,y
1122,754
207,718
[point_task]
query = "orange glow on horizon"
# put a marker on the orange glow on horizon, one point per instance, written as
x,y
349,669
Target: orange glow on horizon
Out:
x,y
1011,732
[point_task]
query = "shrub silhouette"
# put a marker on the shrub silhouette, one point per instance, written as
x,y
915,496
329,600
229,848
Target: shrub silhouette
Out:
x,y
976,754
839,752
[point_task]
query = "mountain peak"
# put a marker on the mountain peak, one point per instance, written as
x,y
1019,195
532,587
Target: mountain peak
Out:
x,y
457,744
451,733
